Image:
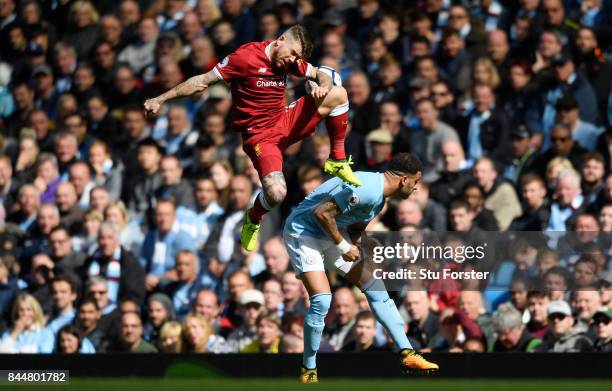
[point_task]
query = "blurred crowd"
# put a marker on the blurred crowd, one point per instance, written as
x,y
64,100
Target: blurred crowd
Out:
x,y
120,233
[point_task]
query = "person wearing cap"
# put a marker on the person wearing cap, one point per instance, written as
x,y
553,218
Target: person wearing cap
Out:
x,y
251,305
603,327
568,81
381,143
523,155
563,336
46,93
585,133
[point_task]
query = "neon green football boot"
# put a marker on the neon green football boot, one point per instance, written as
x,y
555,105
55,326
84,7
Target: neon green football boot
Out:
x,y
249,234
342,169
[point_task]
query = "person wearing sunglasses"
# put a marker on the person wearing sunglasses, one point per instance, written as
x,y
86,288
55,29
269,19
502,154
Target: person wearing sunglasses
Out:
x,y
603,327
563,336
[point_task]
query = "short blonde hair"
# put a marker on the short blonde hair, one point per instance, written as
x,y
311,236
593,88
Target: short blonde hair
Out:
x,y
31,301
93,13
487,63
172,329
122,209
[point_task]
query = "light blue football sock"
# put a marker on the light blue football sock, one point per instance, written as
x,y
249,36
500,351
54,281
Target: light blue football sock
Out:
x,y
386,312
314,322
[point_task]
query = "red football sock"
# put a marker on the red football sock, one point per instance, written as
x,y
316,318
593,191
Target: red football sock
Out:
x,y
336,128
257,211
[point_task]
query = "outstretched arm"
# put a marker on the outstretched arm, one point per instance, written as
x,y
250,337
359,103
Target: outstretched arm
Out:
x,y
326,214
190,86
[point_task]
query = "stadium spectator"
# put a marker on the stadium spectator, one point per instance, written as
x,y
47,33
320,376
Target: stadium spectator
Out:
x,y
188,282
474,195
536,212
586,302
170,338
563,336
584,133
61,251
472,304
70,341
365,331
485,131
512,335
427,140
222,245
80,177
341,331
456,330
27,333
251,306
71,215
130,339
423,325
88,318
268,334
132,236
454,176
537,304
160,311
207,304
125,277
47,177
273,296
161,245
198,337
569,200
173,185
603,327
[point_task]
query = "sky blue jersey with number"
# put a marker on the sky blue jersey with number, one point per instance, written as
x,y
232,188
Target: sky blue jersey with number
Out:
x,y
357,204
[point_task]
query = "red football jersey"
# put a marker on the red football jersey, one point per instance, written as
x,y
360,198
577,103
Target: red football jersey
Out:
x,y
258,92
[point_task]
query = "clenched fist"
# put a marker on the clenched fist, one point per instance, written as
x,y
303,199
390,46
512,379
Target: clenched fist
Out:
x,y
152,107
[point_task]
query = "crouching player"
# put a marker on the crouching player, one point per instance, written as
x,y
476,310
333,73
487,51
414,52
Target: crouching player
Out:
x,y
316,235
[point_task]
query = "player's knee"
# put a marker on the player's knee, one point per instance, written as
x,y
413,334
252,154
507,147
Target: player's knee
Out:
x,y
338,96
275,195
320,304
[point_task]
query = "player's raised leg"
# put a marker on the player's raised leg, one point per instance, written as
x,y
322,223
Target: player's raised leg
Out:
x,y
274,191
334,108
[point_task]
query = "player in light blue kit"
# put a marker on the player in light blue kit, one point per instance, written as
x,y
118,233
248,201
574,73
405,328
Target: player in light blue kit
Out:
x,y
317,235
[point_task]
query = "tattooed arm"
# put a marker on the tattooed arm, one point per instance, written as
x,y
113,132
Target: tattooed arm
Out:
x,y
189,87
326,214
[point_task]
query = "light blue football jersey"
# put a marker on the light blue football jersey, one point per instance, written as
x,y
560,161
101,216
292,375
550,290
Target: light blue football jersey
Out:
x,y
358,204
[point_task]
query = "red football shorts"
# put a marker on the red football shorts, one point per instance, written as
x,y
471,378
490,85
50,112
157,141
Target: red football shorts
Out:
x,y
266,147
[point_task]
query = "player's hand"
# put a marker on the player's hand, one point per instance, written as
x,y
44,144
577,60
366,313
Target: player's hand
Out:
x,y
319,92
152,107
352,255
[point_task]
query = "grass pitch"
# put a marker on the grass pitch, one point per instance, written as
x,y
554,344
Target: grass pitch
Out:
x,y
408,383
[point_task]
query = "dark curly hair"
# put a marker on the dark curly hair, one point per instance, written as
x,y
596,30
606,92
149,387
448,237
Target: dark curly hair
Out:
x,y
405,163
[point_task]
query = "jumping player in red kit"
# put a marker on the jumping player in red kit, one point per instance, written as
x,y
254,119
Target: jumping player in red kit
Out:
x,y
257,72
